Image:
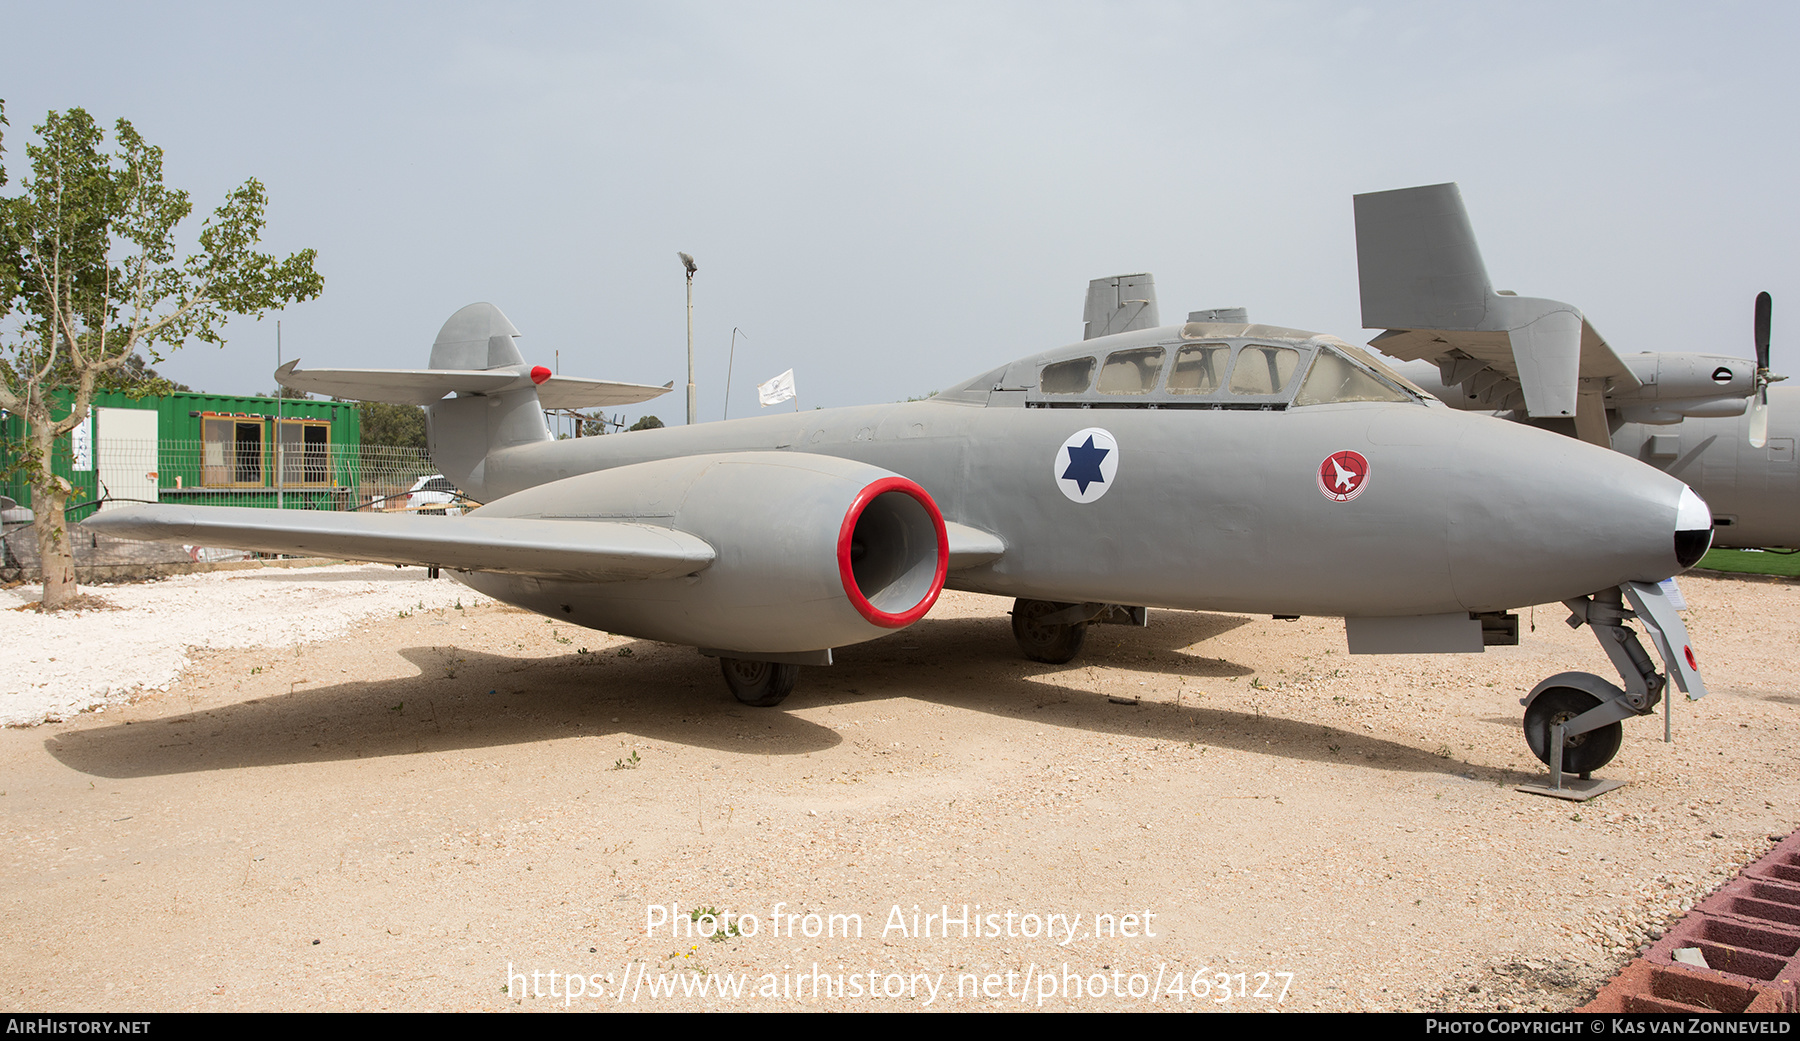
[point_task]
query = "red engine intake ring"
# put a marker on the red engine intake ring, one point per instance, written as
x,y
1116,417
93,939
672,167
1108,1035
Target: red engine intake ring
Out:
x,y
886,619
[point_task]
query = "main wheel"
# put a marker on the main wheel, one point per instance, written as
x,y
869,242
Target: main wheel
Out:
x,y
1052,643
1583,753
760,683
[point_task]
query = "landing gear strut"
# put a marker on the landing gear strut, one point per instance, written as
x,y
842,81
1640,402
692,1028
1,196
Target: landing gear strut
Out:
x,y
1572,719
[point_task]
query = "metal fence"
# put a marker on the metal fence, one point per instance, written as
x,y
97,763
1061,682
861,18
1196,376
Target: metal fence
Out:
x,y
294,476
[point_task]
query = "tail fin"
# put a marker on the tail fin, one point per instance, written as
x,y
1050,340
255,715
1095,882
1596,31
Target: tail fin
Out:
x,y
1119,304
1423,280
476,337
1419,265
464,430
499,400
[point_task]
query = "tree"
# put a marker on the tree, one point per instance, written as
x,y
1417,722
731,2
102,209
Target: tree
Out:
x,y
647,423
385,424
89,279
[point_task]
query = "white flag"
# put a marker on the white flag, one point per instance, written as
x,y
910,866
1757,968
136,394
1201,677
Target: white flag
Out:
x,y
777,390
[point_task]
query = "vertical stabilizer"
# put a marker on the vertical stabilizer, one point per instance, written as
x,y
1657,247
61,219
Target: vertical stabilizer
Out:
x,y
1417,260
476,337
465,431
1119,304
1420,271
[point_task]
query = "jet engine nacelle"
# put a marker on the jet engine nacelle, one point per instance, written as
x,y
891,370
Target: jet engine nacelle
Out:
x,y
811,552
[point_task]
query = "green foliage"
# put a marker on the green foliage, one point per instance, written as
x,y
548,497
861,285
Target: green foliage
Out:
x,y
92,292
385,424
137,379
647,423
88,262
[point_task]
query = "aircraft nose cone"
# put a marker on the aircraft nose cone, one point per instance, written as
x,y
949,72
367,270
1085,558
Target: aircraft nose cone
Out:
x,y
1579,519
1693,528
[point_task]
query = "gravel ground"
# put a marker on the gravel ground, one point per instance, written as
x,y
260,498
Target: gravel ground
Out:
x,y
127,639
439,808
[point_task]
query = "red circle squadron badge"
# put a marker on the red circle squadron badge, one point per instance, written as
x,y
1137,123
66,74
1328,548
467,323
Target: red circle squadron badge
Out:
x,y
1343,475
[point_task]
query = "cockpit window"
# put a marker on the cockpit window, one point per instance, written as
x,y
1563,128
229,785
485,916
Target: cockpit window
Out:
x,y
1333,377
1066,377
1199,369
1386,372
1131,372
1263,370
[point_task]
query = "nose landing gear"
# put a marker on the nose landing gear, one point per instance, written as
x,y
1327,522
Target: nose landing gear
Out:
x,y
1572,719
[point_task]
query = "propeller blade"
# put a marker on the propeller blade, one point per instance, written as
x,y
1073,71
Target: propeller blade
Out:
x,y
1759,405
1763,303
1759,421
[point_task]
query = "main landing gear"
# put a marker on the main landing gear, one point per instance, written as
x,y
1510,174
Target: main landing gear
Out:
x,y
760,683
1572,720
1053,632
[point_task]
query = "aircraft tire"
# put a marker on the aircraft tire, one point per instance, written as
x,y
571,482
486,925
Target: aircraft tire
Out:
x,y
1051,644
1583,753
760,683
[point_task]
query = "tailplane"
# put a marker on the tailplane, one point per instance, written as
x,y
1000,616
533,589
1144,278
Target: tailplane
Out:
x,y
499,400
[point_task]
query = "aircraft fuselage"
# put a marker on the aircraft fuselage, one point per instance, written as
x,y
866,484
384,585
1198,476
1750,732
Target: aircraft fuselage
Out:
x,y
1224,509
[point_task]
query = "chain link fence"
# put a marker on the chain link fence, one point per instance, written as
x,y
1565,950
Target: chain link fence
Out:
x,y
294,476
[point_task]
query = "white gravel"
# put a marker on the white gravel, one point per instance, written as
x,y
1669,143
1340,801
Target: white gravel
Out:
x,y
52,666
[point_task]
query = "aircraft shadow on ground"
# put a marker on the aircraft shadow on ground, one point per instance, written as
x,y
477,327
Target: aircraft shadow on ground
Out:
x,y
466,700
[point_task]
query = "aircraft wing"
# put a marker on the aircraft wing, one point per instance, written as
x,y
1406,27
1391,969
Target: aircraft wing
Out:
x,y
428,386
595,551
1423,280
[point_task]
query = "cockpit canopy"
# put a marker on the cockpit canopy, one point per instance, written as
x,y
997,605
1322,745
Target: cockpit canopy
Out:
x,y
1198,365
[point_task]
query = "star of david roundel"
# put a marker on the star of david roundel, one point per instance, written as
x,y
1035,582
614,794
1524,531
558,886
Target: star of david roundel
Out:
x,y
1343,475
1085,465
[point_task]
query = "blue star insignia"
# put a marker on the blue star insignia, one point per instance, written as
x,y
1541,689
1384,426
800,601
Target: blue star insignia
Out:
x,y
1084,464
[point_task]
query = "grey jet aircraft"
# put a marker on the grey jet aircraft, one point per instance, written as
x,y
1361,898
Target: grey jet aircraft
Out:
x,y
1211,465
1714,421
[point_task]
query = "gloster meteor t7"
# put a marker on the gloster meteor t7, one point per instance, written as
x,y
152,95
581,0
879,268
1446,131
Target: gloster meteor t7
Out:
x,y
1211,465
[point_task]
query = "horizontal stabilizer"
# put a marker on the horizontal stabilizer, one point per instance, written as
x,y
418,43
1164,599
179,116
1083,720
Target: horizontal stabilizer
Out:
x,y
428,386
594,551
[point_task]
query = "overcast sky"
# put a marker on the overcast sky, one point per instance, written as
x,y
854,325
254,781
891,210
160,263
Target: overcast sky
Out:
x,y
892,198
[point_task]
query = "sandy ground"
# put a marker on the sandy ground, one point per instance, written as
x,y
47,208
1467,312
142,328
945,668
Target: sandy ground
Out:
x,y
483,809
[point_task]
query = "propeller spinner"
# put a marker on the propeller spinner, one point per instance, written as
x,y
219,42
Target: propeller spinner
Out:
x,y
1759,408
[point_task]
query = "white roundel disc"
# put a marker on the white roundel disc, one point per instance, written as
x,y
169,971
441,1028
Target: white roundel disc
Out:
x,y
1085,464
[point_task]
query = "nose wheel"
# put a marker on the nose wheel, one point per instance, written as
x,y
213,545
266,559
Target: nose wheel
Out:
x,y
1581,753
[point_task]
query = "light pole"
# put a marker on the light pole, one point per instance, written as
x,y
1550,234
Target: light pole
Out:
x,y
688,262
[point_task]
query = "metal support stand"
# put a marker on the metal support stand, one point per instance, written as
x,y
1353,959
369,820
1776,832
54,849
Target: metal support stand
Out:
x,y
1561,786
